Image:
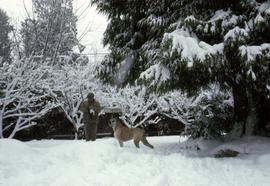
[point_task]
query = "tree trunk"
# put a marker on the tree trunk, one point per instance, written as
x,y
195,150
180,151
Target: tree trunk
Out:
x,y
2,121
240,112
252,118
76,135
240,104
1,126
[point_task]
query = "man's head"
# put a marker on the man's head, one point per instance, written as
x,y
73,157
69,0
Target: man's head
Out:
x,y
90,96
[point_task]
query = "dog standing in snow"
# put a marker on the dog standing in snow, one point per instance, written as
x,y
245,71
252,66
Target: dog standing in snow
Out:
x,y
123,133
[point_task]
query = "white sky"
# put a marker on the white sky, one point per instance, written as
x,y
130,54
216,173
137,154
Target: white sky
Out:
x,y
90,21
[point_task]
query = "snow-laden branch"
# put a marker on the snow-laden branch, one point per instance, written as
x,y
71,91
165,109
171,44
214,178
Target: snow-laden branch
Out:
x,y
23,100
30,91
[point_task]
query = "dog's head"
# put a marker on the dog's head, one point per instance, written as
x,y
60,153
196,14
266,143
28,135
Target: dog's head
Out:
x,y
113,122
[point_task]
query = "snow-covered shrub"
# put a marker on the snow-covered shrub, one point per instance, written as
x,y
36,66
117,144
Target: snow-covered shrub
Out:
x,y
211,114
23,98
139,106
175,105
69,83
136,103
30,88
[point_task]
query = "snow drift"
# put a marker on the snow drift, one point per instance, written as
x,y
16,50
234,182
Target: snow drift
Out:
x,y
80,163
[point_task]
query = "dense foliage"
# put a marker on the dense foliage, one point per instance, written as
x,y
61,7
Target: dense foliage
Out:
x,y
5,43
52,31
202,63
190,44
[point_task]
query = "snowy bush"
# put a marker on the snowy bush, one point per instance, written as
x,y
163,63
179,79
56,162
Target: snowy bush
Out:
x,y
136,104
65,86
23,98
211,114
69,83
175,105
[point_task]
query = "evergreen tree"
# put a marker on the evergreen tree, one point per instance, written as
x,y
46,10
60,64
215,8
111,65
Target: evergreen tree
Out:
x,y
52,31
5,43
135,26
190,44
231,48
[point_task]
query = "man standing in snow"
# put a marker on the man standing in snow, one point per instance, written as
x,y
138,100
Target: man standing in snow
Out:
x,y
90,109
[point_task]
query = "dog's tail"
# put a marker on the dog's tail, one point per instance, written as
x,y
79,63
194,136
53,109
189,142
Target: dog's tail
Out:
x,y
146,143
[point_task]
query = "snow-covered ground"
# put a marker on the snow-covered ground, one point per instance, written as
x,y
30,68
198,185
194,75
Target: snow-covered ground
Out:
x,y
80,163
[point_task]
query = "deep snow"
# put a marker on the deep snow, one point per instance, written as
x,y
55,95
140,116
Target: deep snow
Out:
x,y
80,163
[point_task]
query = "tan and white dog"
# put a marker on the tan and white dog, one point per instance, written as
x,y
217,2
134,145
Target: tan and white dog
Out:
x,y
123,133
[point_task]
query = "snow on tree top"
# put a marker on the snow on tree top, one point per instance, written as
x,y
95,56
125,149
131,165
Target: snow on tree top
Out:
x,y
236,33
259,19
220,14
265,7
253,51
190,47
157,72
226,16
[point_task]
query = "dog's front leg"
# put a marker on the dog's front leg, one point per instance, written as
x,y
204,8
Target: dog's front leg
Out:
x,y
121,143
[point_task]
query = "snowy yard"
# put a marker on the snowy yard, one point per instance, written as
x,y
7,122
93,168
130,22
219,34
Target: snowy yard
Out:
x,y
201,64
80,163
